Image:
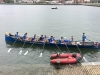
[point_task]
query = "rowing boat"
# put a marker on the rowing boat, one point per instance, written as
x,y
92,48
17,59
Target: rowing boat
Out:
x,y
12,38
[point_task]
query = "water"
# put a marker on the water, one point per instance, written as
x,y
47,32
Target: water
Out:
x,y
66,21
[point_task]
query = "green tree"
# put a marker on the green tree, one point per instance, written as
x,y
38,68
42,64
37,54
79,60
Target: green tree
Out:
x,y
8,1
98,1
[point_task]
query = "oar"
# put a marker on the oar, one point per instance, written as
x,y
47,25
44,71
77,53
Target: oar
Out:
x,y
89,40
67,48
58,52
27,50
58,47
42,51
82,54
12,45
21,50
85,59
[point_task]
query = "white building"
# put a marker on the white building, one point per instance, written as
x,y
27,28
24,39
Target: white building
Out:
x,y
87,1
69,1
27,1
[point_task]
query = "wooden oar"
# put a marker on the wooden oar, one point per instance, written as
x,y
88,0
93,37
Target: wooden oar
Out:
x,y
21,50
42,51
89,40
12,45
82,54
67,48
85,59
58,47
27,50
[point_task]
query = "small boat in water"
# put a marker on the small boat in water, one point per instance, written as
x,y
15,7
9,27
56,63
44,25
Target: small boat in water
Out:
x,y
54,8
12,38
65,58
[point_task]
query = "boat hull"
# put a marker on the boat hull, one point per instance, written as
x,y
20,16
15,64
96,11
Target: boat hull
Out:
x,y
13,39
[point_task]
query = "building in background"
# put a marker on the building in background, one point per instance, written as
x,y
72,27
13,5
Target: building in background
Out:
x,y
70,2
2,1
78,1
94,1
87,1
50,1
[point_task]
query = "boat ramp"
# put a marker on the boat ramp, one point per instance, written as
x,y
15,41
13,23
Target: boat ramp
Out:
x,y
89,68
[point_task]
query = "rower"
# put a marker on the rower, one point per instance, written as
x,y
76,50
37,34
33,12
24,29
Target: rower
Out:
x,y
41,38
34,38
51,40
72,39
65,41
17,36
83,38
98,45
24,37
62,40
10,34
45,38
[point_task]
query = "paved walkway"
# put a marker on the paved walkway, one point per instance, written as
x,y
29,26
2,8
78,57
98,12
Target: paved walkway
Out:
x,y
46,69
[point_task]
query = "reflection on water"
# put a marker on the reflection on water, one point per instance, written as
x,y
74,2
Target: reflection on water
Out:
x,y
33,53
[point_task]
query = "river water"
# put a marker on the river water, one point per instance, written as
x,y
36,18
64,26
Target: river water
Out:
x,y
66,21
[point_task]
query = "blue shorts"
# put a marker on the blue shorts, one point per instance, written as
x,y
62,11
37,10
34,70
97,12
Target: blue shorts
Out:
x,y
83,40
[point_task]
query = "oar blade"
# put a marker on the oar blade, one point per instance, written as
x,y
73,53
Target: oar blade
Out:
x,y
9,50
20,52
85,59
40,54
26,53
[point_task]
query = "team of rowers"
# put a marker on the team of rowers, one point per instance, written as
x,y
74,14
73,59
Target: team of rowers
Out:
x,y
50,39
43,39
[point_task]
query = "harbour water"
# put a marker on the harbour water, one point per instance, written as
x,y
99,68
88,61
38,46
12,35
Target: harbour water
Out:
x,y
66,21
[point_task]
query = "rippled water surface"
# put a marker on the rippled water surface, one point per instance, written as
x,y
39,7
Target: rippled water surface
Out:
x,y
66,21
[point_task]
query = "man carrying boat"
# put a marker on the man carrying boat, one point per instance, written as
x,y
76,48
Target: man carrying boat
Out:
x,y
83,38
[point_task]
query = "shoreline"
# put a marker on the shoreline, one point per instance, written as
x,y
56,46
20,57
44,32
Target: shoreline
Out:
x,y
34,4
92,4
84,4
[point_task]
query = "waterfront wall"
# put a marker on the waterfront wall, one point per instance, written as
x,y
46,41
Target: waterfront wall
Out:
x,y
85,4
92,4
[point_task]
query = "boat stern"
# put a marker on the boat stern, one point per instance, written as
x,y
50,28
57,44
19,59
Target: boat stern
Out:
x,y
99,45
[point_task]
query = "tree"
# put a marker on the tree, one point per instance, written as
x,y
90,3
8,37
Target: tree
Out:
x,y
98,1
8,1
